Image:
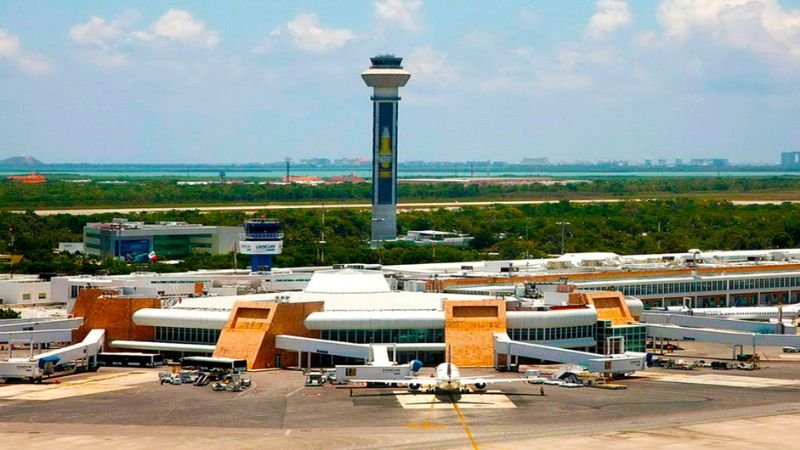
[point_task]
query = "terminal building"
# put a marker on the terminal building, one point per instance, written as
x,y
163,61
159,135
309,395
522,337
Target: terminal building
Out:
x,y
132,240
601,307
359,306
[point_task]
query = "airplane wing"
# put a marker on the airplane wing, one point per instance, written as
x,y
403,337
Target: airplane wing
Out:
x,y
472,380
422,382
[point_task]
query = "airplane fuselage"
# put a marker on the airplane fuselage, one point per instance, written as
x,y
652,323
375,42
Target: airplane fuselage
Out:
x,y
447,377
744,312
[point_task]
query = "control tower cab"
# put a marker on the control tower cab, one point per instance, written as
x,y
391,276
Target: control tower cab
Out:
x,y
385,76
263,238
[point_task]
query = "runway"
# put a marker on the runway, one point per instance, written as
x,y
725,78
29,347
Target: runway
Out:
x,y
401,206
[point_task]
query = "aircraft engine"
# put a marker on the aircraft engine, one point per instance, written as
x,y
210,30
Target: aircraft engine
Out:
x,y
480,386
414,386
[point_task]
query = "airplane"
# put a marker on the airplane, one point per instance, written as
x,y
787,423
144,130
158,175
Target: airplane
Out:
x,y
744,312
447,379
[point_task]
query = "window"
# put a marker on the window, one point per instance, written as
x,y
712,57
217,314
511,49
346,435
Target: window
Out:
x,y
42,295
26,296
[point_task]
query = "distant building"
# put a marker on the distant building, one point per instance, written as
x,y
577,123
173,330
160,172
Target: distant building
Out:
x,y
714,163
790,160
70,247
535,162
352,162
433,237
134,241
316,161
32,178
340,179
301,179
678,162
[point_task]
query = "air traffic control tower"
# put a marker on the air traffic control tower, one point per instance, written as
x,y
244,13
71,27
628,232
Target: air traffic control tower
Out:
x,y
385,76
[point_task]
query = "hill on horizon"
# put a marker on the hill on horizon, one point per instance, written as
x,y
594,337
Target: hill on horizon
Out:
x,y
21,161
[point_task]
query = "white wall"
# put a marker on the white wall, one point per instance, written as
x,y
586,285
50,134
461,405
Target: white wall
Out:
x,y
16,292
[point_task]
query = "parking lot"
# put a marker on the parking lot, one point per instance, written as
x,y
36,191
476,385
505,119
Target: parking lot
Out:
x,y
279,409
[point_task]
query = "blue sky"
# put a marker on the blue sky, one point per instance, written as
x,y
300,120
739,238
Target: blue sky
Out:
x,y
255,81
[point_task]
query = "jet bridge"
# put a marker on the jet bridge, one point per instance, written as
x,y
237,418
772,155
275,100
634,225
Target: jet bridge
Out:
x,y
625,363
377,354
12,325
38,366
35,337
735,338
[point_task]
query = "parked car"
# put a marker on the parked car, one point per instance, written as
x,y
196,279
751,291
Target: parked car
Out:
x,y
791,349
164,377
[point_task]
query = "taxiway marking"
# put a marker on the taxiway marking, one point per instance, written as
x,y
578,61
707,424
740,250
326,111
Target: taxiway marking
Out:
x,y
464,423
295,391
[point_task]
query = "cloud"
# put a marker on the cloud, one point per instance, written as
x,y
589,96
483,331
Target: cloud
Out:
x,y
179,26
404,13
309,35
610,16
96,32
268,43
102,37
428,65
647,39
760,26
12,50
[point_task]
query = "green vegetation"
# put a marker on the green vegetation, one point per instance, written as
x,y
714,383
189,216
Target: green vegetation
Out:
x,y
500,232
166,192
8,313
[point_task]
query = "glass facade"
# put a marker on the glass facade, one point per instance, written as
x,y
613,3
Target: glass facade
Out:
x,y
634,337
399,336
187,335
662,287
551,334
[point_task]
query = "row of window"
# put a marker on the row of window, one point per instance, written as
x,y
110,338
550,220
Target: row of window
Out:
x,y
41,296
400,336
187,335
700,286
551,334
178,281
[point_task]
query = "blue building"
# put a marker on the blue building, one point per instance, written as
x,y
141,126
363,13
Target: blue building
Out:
x,y
132,241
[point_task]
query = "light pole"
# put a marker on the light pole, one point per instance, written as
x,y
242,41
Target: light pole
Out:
x,y
563,233
527,241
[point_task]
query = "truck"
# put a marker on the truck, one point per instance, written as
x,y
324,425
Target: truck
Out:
x,y
371,372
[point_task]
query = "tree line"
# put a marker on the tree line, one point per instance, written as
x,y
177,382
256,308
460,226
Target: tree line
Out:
x,y
500,232
166,191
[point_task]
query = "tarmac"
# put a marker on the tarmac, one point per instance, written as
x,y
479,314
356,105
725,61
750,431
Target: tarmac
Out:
x,y
128,408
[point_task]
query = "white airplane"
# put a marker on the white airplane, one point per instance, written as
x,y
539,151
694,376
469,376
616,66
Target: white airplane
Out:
x,y
742,312
447,379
